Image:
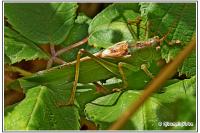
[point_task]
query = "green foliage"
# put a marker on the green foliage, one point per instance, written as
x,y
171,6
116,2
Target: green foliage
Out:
x,y
105,37
42,22
18,48
119,12
110,26
180,99
189,65
38,111
104,110
31,25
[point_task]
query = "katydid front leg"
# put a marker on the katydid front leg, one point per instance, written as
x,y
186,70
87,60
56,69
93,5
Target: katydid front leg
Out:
x,y
73,91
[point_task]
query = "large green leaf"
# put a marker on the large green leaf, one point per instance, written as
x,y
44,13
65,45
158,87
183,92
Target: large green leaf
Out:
x,y
107,109
38,111
180,99
178,90
110,26
189,65
109,35
120,12
42,22
18,48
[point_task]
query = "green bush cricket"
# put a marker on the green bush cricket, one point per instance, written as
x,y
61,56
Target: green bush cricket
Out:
x,y
124,52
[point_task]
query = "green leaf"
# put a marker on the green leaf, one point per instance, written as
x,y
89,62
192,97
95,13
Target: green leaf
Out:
x,y
178,90
158,108
18,48
120,12
180,98
104,110
110,26
38,111
189,65
82,18
6,59
107,36
85,93
42,22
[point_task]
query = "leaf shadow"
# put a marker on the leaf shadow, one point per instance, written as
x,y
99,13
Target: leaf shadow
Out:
x,y
112,104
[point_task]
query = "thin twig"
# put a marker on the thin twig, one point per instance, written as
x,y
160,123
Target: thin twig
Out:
x,y
53,53
55,59
168,71
59,61
72,46
61,51
49,63
19,70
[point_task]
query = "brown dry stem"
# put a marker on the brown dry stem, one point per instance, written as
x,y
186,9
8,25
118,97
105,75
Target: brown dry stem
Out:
x,y
17,69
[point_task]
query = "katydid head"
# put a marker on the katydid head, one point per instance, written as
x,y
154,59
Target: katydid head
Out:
x,y
119,49
155,41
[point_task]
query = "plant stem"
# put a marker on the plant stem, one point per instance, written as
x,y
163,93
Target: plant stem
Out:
x,y
55,54
49,63
17,69
55,59
168,71
58,60
71,46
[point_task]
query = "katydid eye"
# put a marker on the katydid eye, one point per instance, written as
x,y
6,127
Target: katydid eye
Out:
x,y
113,50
